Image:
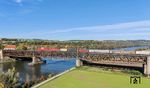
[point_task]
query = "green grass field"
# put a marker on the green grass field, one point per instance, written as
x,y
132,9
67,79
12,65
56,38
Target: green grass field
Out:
x,y
90,77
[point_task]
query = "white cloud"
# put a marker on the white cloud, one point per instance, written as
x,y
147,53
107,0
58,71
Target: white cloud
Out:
x,y
136,26
128,30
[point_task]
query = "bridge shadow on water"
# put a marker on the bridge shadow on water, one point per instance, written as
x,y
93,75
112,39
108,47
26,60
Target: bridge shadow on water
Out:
x,y
117,67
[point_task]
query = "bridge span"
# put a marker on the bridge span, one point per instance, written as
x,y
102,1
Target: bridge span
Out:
x,y
120,59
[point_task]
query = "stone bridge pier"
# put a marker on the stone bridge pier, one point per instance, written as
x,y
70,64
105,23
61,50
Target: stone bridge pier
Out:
x,y
1,54
79,62
35,60
147,67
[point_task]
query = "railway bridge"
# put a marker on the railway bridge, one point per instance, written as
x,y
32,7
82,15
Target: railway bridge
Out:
x,y
133,60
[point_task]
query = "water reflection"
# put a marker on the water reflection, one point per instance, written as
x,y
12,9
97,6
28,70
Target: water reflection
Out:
x,y
52,66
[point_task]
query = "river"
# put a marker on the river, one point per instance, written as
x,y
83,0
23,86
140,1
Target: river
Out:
x,y
52,66
132,48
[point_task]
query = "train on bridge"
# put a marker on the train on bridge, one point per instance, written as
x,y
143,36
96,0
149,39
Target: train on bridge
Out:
x,y
90,50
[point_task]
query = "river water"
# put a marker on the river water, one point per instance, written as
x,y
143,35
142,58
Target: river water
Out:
x,y
26,72
52,66
131,48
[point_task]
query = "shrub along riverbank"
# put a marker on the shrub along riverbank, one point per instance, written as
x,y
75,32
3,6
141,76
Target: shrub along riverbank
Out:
x,y
11,79
92,77
7,60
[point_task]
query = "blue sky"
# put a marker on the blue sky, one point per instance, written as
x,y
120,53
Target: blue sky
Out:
x,y
75,19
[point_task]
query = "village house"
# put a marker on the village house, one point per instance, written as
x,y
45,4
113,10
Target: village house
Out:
x,y
10,47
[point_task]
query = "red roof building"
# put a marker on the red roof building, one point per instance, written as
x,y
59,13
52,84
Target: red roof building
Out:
x,y
10,47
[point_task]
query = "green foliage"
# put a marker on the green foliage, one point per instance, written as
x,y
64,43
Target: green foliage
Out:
x,y
132,72
1,46
87,44
10,79
21,47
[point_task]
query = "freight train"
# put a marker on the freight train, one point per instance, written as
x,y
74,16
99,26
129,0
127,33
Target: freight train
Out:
x,y
85,50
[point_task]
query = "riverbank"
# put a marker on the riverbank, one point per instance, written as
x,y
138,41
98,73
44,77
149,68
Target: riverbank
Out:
x,y
37,73
52,78
91,77
7,60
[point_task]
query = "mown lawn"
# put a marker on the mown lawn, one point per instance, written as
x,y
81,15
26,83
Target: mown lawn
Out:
x,y
90,77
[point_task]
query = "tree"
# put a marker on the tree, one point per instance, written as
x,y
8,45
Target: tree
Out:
x,y
1,46
21,47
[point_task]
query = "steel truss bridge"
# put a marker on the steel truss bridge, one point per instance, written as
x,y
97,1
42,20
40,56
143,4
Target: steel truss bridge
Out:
x,y
135,60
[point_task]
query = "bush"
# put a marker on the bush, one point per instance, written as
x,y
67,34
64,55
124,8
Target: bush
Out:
x,y
133,72
10,79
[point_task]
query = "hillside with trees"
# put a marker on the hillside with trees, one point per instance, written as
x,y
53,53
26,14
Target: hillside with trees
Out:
x,y
86,44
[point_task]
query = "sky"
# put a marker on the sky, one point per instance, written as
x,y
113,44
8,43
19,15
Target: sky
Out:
x,y
75,19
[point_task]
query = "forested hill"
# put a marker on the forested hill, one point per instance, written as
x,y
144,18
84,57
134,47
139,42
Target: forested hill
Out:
x,y
88,44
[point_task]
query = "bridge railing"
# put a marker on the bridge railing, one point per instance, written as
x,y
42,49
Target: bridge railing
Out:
x,y
27,53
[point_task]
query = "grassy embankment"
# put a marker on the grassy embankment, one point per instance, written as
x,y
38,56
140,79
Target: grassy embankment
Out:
x,y
91,77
